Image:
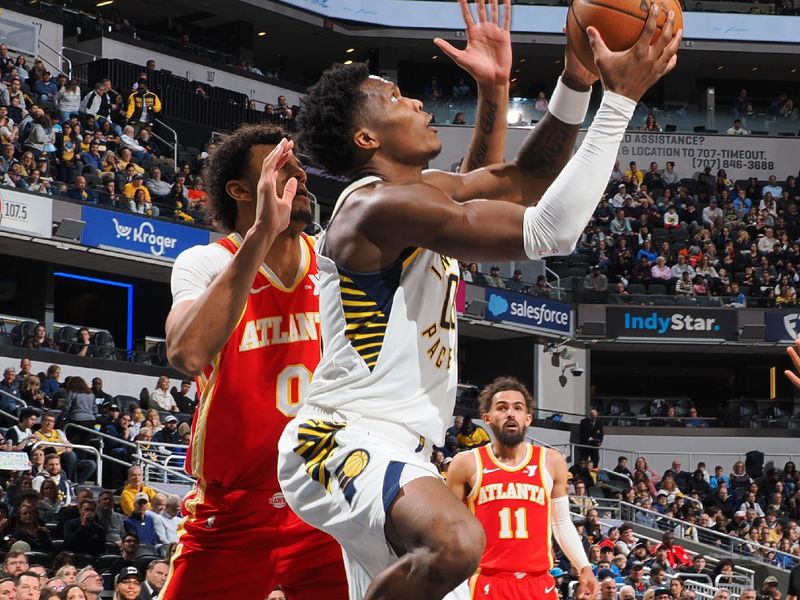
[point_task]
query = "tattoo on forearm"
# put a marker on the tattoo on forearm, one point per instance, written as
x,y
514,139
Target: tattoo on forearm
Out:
x,y
481,147
547,149
487,121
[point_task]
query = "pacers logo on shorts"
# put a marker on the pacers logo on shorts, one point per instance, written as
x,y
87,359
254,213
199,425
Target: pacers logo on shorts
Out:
x,y
352,467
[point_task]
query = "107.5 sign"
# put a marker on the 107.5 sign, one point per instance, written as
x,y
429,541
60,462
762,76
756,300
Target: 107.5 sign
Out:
x,y
26,213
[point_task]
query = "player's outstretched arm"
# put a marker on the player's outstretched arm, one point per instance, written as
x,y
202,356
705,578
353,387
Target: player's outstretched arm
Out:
x,y
461,474
563,529
487,58
426,216
543,154
198,329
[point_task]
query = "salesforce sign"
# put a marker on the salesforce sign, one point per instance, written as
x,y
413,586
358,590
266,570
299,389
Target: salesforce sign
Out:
x,y
530,311
139,235
672,323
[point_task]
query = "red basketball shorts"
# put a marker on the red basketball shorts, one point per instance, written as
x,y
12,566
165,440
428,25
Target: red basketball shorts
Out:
x,y
243,544
504,585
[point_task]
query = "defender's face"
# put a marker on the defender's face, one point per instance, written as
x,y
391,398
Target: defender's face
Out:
x,y
301,205
400,126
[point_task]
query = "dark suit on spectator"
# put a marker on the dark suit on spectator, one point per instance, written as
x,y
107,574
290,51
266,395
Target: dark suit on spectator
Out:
x,y
590,433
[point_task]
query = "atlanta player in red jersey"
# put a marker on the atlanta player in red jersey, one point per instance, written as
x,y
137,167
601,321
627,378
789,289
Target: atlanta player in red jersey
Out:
x,y
245,322
518,492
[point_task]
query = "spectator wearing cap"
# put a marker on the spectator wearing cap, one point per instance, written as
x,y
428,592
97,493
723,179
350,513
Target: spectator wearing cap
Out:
x,y
160,398
136,183
621,197
558,576
133,488
169,435
662,593
128,584
141,522
494,279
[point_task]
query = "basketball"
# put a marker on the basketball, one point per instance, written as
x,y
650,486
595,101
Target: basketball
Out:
x,y
620,23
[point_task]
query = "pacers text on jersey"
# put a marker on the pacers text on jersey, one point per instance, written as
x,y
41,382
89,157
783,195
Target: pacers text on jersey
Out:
x,y
270,331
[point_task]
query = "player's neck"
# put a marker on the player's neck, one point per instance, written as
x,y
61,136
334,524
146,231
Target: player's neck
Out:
x,y
390,171
284,256
510,455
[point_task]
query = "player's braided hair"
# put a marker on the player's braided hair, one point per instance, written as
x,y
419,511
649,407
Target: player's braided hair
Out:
x,y
231,161
327,115
503,384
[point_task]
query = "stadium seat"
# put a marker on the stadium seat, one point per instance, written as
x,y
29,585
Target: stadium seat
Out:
x,y
41,558
124,402
23,331
66,339
637,288
6,339
141,357
158,354
103,343
658,289
105,561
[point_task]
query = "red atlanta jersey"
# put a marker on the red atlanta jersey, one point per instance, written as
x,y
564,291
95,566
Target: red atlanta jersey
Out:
x,y
254,386
513,505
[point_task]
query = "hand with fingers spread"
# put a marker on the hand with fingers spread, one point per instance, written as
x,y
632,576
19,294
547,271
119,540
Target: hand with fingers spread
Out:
x,y
273,211
632,72
794,354
487,56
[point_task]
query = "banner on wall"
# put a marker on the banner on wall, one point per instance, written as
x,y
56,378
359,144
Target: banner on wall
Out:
x,y
672,323
26,213
781,326
741,156
530,311
140,235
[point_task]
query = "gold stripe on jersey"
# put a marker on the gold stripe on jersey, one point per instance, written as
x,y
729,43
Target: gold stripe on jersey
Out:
x,y
317,443
199,437
366,322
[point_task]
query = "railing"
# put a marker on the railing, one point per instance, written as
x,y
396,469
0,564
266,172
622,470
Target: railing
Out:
x,y
19,401
56,68
173,144
706,536
690,457
137,454
90,449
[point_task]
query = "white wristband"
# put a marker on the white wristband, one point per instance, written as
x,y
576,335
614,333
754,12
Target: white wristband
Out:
x,y
569,105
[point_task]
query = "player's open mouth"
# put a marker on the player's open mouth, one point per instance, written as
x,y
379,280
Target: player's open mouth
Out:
x,y
511,425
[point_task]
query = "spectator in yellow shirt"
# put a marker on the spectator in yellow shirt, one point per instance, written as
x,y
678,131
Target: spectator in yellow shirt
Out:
x,y
137,183
135,485
635,175
471,435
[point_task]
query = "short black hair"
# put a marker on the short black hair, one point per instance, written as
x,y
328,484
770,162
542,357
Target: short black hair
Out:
x,y
230,162
327,116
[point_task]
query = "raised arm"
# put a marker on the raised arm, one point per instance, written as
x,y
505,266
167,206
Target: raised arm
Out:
x,y
487,58
197,329
543,154
484,230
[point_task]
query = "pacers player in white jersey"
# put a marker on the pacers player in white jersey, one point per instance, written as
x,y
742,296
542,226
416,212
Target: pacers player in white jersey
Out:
x,y
354,462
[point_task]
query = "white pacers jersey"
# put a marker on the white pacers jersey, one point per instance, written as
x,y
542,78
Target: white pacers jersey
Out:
x,y
389,339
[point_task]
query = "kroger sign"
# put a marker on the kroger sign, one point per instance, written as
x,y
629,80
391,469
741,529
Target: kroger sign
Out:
x,y
140,235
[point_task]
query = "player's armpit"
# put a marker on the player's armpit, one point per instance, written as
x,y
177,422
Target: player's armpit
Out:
x,y
557,466
400,216
461,475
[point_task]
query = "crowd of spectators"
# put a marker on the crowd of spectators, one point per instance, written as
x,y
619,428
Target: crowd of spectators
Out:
x,y
63,533
694,238
95,147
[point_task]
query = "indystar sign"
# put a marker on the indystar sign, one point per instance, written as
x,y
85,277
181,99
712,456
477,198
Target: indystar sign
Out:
x,y
694,323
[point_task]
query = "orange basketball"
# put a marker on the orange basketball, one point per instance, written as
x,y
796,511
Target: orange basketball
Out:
x,y
620,23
